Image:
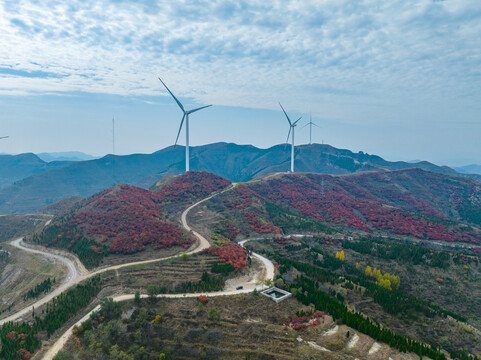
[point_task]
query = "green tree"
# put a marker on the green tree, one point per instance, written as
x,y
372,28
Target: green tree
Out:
x,y
137,298
152,291
214,314
109,309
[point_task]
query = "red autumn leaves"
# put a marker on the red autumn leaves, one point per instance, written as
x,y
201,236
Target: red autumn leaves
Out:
x,y
129,218
190,186
230,253
367,203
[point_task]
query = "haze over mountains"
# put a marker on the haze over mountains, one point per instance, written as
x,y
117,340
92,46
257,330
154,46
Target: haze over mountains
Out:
x,y
65,156
30,183
469,169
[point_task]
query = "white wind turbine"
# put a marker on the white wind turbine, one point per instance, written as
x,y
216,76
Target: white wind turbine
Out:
x,y
310,123
292,126
186,118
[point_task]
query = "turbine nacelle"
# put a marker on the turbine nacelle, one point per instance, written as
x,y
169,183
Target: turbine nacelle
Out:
x,y
291,127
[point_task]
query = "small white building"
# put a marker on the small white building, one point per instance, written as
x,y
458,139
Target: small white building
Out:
x,y
277,294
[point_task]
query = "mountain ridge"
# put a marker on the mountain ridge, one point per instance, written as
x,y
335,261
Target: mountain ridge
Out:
x,y
234,162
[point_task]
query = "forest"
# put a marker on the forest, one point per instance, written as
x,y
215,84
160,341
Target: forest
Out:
x,y
19,340
341,201
309,290
121,220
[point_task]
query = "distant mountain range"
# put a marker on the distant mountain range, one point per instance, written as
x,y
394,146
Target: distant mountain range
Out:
x,y
17,167
66,156
39,184
469,169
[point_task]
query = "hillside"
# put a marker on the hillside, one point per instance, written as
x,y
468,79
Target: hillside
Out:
x,y
17,167
125,219
233,162
413,203
357,291
12,226
246,327
120,220
60,207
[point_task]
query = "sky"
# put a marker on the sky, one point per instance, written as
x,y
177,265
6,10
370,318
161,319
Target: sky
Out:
x,y
400,79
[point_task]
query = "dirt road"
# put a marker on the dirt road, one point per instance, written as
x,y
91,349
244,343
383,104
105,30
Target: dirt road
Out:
x,y
75,276
66,282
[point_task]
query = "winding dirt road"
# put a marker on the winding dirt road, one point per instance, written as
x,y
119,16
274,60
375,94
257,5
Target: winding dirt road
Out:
x,y
76,275
68,281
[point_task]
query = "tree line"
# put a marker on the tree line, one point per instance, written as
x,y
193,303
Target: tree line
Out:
x,y
20,339
393,301
402,253
44,287
311,294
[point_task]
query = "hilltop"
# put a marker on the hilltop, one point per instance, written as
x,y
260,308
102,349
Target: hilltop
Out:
x,y
236,163
125,219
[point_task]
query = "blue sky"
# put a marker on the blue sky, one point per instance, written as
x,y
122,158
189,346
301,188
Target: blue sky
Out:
x,y
401,79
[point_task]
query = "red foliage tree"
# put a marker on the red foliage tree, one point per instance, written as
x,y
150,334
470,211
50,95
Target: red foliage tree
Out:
x,y
231,253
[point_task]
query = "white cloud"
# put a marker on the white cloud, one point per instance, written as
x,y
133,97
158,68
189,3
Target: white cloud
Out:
x,y
324,55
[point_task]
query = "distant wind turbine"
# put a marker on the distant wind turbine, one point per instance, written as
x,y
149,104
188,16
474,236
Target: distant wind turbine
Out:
x,y
310,123
292,126
186,118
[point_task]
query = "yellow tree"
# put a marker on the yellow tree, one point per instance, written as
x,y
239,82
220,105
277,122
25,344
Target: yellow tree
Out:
x,y
368,271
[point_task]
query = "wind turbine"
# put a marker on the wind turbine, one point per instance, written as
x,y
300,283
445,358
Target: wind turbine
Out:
x,y
310,123
292,126
186,118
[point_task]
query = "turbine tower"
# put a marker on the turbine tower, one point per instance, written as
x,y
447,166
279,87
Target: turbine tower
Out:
x,y
186,118
292,126
310,123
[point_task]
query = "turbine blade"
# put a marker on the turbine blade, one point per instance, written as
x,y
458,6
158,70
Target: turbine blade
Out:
x,y
180,128
203,107
296,121
170,92
306,125
3,137
289,133
286,115
316,125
